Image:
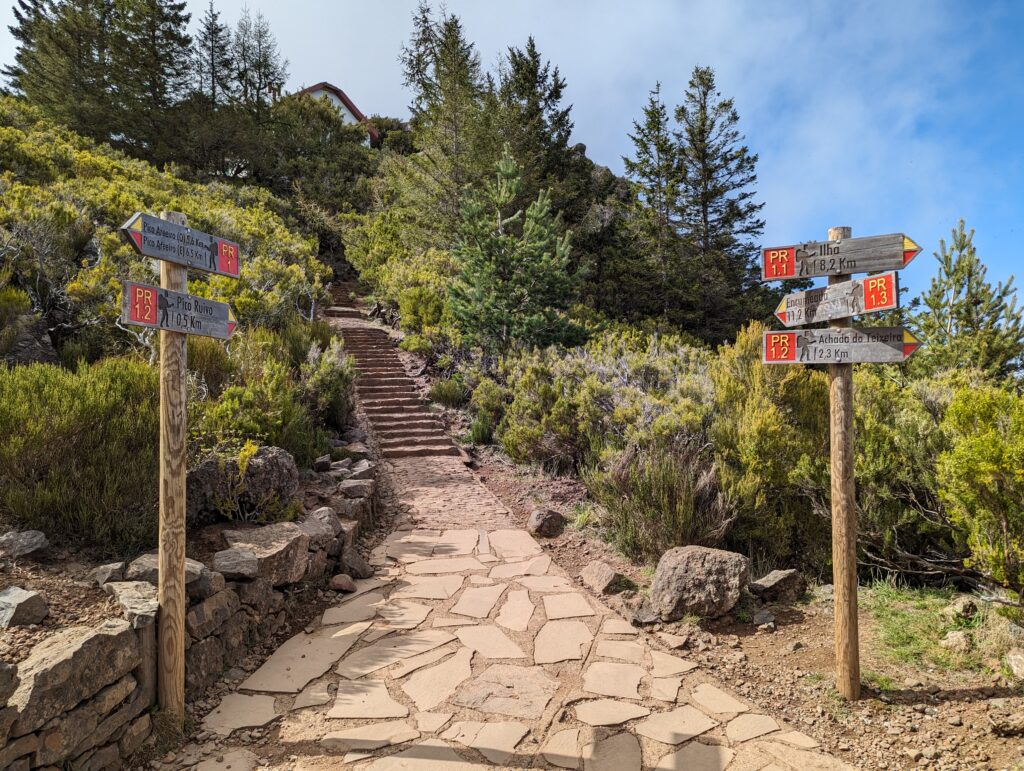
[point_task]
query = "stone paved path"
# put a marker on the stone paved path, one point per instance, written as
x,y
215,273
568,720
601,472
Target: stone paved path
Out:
x,y
471,649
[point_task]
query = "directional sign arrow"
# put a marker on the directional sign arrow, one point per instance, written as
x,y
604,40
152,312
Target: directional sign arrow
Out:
x,y
834,258
154,237
150,306
850,298
841,345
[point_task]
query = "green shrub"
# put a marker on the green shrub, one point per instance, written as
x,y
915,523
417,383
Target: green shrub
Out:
x,y
981,479
450,393
79,452
420,308
327,378
417,344
209,359
660,497
13,303
481,430
488,402
267,409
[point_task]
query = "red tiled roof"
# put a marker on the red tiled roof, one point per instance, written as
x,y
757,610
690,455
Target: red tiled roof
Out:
x,y
349,104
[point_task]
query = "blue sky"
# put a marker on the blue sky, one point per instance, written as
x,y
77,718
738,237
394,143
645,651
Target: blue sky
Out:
x,y
886,116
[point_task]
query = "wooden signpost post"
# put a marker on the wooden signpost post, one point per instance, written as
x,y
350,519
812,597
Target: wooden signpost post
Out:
x,y
176,314
840,346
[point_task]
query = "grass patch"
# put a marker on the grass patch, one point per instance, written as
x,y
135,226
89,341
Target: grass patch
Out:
x,y
450,393
911,625
582,515
878,681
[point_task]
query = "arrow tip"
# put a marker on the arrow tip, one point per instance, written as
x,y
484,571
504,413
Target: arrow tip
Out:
x,y
910,343
780,312
910,250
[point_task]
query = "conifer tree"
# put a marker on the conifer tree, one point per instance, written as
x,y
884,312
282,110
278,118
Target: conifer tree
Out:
x,y
260,70
151,66
719,217
62,63
964,321
654,219
513,283
212,65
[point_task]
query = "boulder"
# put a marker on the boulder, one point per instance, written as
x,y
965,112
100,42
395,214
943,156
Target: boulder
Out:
x,y
279,549
763,617
957,641
364,469
356,488
962,609
137,599
21,607
780,586
545,522
1015,662
257,594
62,735
599,576
205,618
342,583
112,571
321,526
204,661
20,544
356,450
323,463
352,508
147,568
341,465
208,584
69,667
31,342
698,580
216,487
354,564
8,681
237,563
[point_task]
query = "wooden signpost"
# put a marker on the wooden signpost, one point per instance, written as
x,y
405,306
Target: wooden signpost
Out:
x,y
176,314
850,298
840,346
838,257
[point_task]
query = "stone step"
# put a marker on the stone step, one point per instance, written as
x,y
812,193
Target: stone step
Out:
x,y
400,431
390,381
430,441
396,409
383,422
341,311
421,451
387,392
395,401
390,418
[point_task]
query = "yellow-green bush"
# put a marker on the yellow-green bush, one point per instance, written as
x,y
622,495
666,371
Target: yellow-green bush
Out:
x,y
208,358
13,303
450,392
79,452
981,478
326,384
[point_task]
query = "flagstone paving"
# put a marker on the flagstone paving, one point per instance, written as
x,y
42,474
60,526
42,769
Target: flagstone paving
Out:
x,y
472,649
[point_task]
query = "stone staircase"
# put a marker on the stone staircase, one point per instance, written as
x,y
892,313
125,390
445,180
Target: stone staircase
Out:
x,y
397,414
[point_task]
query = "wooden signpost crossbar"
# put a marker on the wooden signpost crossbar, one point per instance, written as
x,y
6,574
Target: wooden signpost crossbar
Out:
x,y
840,346
176,314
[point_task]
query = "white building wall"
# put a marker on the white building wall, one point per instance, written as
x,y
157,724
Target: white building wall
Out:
x,y
345,112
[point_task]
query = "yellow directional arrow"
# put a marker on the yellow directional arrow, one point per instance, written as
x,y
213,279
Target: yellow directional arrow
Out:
x,y
910,250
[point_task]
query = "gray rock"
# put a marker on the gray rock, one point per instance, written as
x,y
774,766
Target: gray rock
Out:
x,y
237,563
364,469
147,568
1014,661
31,343
644,614
208,584
316,565
780,586
257,594
21,607
351,508
356,488
8,683
20,544
763,617
354,564
545,522
341,465
321,526
204,661
64,734
237,635
137,599
205,618
217,489
961,610
599,576
69,667
356,450
323,463
698,580
957,641
112,571
280,550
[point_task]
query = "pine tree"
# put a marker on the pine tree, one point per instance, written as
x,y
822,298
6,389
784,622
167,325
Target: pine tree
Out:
x,y
964,321
62,64
151,66
212,64
654,217
260,71
719,218
511,288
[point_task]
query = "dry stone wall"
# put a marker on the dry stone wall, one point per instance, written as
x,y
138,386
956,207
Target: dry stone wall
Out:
x,y
82,698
